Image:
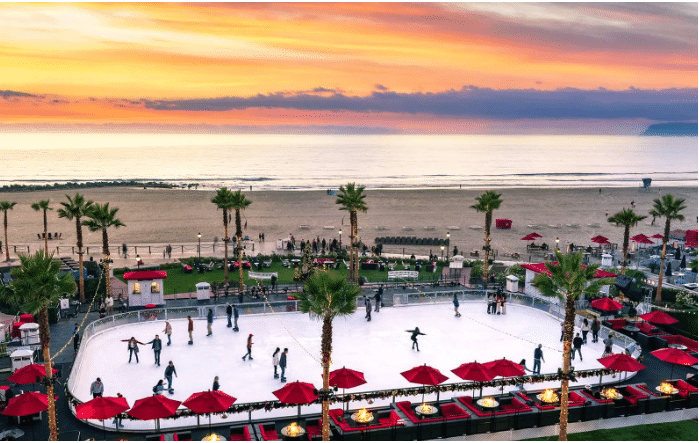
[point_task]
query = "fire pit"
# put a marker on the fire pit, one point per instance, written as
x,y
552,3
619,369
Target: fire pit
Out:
x,y
363,416
667,388
548,396
293,430
426,409
612,394
214,437
488,402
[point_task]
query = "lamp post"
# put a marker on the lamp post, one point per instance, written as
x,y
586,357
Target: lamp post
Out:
x,y
448,235
340,232
199,246
557,242
138,261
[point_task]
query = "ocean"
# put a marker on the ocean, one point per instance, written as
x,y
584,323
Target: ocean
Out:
x,y
313,162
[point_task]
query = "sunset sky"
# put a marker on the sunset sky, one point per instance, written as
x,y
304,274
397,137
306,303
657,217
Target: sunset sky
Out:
x,y
348,67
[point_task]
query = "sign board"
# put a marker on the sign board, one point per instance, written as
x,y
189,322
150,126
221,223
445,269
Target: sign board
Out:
x,y
262,275
402,274
65,303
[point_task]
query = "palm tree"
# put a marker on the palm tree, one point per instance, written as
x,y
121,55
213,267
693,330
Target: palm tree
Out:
x,y
626,218
76,208
4,207
351,199
568,279
239,202
487,203
37,284
43,205
669,207
325,298
101,218
224,200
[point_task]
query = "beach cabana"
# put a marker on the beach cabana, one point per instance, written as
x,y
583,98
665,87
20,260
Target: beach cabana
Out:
x,y
145,287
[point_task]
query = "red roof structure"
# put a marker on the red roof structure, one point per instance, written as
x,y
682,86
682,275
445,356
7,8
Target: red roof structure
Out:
x,y
145,275
690,239
541,267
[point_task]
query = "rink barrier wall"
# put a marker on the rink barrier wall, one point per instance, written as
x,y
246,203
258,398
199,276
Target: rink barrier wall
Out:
x,y
470,296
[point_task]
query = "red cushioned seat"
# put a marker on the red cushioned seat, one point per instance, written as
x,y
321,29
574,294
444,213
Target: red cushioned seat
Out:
x,y
617,323
684,388
268,432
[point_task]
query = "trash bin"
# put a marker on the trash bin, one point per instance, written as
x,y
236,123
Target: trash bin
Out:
x,y
203,291
30,334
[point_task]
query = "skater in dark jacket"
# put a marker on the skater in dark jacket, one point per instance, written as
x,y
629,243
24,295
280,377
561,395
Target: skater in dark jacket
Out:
x,y
377,298
157,347
367,302
133,348
229,314
209,322
249,353
282,364
216,386
235,318
456,306
169,371
413,337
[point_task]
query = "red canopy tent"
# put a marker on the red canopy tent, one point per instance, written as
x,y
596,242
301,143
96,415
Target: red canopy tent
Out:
x,y
690,239
528,238
642,238
600,239
503,223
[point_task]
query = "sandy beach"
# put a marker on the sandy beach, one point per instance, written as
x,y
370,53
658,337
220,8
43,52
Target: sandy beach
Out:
x,y
160,216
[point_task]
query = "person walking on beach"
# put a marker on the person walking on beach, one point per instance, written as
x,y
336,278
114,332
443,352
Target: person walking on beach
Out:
x,y
585,329
415,332
282,364
190,329
595,329
133,348
168,332
275,362
456,306
236,314
97,388
216,385
367,303
209,322
169,371
249,347
577,345
229,314
157,347
538,358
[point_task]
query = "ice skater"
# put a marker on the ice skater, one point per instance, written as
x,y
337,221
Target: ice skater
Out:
x,y
97,388
159,388
209,322
133,348
117,419
249,347
169,371
456,306
216,385
377,298
168,332
236,314
367,303
157,347
282,364
585,329
229,314
538,358
577,347
596,326
275,362
415,332
190,329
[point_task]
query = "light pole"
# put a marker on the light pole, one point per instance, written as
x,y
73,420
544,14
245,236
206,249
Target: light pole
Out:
x,y
448,235
557,242
199,247
138,261
340,232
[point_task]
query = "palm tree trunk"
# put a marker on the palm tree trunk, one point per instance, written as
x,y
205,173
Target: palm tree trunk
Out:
x,y
45,341
7,245
105,251
80,259
326,350
567,338
239,234
225,247
486,256
666,237
626,248
46,237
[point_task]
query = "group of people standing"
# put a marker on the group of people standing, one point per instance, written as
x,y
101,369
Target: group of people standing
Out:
x,y
497,303
585,329
377,302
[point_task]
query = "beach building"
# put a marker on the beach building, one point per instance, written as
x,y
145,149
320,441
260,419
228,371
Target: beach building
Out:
x,y
145,287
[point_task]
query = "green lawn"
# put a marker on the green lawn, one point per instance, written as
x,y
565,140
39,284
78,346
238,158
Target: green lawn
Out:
x,y
178,282
675,431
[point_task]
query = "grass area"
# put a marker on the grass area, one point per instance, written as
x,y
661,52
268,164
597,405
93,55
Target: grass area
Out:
x,y
675,431
178,282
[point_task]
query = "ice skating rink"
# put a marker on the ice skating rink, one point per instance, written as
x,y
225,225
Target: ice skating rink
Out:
x,y
381,349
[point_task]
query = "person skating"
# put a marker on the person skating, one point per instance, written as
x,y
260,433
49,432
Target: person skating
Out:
x,y
157,347
282,364
133,348
377,298
538,358
209,322
229,314
117,419
236,314
216,385
595,327
97,388
169,371
159,388
367,303
249,347
415,332
585,329
190,329
275,362
608,342
456,306
577,346
168,331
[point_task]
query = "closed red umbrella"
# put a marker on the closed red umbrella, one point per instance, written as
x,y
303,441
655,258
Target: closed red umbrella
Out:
x,y
29,374
674,356
27,403
605,304
154,407
475,372
346,379
296,393
101,408
209,401
425,375
659,318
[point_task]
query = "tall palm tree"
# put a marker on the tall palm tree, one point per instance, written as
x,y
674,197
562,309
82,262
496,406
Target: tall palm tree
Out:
x,y
75,209
626,218
4,207
487,203
37,284
224,200
351,199
43,205
669,207
568,279
100,217
325,298
239,202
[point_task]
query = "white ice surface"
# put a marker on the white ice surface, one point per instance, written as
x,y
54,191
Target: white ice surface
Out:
x,y
381,349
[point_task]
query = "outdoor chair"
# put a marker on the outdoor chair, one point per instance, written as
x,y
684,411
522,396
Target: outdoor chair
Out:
x,y
184,435
268,431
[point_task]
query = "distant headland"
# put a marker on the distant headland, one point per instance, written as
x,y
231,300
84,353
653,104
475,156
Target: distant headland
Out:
x,y
672,130
99,184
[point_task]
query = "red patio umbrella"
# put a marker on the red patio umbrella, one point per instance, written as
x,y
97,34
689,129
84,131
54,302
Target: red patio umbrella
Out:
x,y
674,356
534,234
209,401
475,372
296,393
154,407
605,304
528,238
27,403
641,238
346,379
29,374
659,318
504,368
658,236
620,362
425,375
101,408
600,239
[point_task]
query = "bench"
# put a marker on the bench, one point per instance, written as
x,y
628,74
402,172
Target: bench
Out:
x,y
666,340
615,324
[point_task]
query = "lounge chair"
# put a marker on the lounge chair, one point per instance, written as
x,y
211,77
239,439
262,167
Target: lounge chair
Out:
x,y
50,236
39,236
